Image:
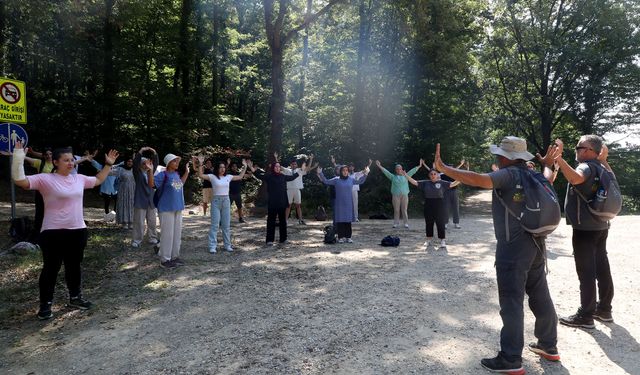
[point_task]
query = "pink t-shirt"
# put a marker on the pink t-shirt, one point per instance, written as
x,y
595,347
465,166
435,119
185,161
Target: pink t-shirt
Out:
x,y
62,198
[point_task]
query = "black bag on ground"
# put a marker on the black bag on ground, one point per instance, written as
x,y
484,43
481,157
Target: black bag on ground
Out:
x,y
390,241
321,214
329,234
21,228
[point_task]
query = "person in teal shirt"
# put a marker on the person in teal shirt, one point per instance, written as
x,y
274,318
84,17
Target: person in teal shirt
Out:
x,y
399,191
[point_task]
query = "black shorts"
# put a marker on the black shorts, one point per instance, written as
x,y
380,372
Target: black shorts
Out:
x,y
237,199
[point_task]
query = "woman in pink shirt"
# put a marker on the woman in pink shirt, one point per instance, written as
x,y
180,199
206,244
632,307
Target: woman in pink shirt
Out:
x,y
63,236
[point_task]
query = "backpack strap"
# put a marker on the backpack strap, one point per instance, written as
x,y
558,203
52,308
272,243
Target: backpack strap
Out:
x,y
594,170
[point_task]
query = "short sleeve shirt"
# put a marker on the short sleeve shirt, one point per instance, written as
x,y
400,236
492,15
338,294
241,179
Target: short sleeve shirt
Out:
x,y
172,196
433,190
62,198
297,183
220,185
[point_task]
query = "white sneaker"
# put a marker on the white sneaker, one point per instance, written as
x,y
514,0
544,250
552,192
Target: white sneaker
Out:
x,y
446,226
457,226
228,249
395,225
426,244
269,243
341,240
349,240
406,226
135,244
213,251
443,244
153,241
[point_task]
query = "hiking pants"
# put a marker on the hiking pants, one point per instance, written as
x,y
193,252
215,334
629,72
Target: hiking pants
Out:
x,y
520,269
61,246
435,211
400,203
592,264
452,205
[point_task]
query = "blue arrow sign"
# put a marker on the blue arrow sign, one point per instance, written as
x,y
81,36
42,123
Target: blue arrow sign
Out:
x,y
10,134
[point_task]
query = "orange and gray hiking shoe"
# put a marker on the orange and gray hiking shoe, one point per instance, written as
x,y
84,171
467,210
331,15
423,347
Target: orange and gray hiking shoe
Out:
x,y
550,354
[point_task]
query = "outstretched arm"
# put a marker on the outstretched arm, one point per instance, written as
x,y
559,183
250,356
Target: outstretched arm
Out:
x,y
409,178
323,179
243,170
466,177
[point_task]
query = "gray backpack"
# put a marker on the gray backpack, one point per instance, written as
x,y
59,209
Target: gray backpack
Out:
x,y
535,204
607,201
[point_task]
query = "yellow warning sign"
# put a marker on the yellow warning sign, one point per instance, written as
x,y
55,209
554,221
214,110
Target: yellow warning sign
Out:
x,y
13,101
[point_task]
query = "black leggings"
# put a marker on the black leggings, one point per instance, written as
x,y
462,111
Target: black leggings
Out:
x,y
344,230
61,246
435,211
107,200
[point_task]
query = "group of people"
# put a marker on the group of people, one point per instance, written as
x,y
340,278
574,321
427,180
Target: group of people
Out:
x,y
520,256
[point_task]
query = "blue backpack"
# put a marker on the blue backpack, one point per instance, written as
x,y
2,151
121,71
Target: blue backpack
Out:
x,y
534,204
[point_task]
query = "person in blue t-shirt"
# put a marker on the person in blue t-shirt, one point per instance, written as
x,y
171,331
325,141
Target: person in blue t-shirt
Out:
x,y
170,205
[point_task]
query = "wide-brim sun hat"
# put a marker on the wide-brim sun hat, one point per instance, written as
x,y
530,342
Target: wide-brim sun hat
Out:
x,y
512,148
169,158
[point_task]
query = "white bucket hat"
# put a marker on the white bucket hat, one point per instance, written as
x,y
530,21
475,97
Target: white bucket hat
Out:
x,y
512,148
169,158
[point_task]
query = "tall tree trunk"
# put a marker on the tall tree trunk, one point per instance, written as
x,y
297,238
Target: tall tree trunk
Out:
x,y
109,75
301,86
215,74
276,110
357,128
184,59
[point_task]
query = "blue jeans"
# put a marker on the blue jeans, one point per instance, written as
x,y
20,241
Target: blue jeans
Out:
x,y
520,268
220,216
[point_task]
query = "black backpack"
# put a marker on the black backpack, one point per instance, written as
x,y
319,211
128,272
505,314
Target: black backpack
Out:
x,y
329,234
390,241
607,201
20,229
321,214
535,203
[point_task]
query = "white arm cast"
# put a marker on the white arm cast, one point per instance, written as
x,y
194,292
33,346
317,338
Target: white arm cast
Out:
x,y
17,166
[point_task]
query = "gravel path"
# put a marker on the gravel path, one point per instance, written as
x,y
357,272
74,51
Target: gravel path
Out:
x,y
310,308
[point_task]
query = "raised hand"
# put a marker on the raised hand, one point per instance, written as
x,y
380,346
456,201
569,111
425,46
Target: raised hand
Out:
x,y
421,162
548,158
148,164
194,161
378,163
604,153
437,163
111,157
201,159
370,161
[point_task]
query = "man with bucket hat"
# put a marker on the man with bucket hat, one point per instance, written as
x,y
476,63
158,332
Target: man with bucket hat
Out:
x,y
520,261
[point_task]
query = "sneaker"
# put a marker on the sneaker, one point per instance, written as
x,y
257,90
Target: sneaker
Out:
x,y
342,240
446,226
406,226
45,311
270,244
457,226
178,262
550,354
395,225
228,249
357,220
501,365
426,244
168,264
213,251
79,303
443,244
578,320
603,316
153,241
285,242
135,244
349,240
241,220
301,222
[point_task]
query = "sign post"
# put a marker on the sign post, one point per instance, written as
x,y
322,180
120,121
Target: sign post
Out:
x,y
13,101
9,135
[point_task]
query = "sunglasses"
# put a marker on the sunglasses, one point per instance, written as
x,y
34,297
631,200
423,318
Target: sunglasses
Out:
x,y
582,148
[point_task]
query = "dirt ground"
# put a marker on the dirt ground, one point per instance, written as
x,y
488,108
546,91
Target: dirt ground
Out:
x,y
310,308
